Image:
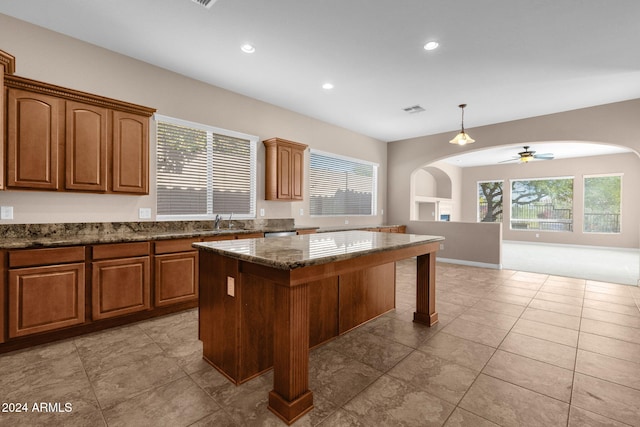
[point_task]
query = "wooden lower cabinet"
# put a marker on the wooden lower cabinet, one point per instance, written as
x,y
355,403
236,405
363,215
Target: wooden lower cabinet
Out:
x,y
3,286
120,286
45,298
176,272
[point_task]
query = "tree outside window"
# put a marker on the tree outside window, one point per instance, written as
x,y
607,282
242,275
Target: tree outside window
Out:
x,y
490,201
602,196
542,204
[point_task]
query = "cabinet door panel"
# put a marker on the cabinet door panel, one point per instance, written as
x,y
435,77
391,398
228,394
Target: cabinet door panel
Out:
x,y
86,147
45,298
284,172
176,278
297,174
3,290
33,129
130,153
120,287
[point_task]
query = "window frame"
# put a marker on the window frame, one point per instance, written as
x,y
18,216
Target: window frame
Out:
x,y
551,178
374,180
210,215
502,216
584,210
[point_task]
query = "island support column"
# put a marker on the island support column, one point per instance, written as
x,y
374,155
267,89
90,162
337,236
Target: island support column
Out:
x,y
291,398
426,290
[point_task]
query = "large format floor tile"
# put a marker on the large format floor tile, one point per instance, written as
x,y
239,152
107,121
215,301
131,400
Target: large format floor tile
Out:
x,y
511,349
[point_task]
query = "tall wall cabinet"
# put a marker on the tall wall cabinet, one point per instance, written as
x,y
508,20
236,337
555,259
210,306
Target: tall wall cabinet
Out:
x,y
65,140
284,169
7,67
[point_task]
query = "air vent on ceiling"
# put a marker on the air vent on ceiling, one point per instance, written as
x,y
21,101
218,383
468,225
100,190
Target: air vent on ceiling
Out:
x,y
205,3
414,109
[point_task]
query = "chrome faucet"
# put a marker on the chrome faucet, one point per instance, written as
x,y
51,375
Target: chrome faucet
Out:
x,y
216,222
230,224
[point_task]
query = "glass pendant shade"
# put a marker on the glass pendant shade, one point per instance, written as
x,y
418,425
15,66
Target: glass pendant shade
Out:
x,y
462,138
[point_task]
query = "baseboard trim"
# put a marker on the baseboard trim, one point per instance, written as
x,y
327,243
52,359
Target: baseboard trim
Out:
x,y
469,263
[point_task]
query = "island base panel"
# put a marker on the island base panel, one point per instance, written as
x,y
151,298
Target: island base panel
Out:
x,y
290,412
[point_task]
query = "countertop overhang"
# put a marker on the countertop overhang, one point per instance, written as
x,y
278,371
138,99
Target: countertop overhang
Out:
x,y
293,252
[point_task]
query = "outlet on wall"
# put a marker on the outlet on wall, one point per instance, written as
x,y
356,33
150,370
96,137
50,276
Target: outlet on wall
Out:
x,y
144,213
261,211
441,246
6,212
301,211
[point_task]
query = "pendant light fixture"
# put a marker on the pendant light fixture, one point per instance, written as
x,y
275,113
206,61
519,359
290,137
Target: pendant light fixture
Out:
x,y
462,138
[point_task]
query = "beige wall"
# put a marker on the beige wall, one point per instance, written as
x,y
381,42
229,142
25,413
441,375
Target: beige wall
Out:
x,y
628,164
57,59
469,243
616,124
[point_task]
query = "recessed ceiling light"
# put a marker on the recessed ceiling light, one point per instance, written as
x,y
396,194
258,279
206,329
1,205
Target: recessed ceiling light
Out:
x,y
327,86
248,48
431,45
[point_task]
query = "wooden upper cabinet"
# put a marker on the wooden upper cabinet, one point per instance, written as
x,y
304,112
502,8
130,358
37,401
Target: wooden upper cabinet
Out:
x,y
7,66
63,139
130,153
86,147
34,132
284,169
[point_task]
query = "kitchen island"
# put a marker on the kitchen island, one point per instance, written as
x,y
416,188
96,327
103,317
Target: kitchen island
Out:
x,y
265,302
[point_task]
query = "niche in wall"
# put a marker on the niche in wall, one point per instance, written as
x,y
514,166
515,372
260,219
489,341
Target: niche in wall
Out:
x,y
431,195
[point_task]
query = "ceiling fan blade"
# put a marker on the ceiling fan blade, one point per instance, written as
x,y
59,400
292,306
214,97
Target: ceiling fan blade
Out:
x,y
545,156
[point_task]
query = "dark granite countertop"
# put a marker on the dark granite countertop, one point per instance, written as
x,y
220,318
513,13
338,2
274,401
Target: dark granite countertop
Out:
x,y
291,252
353,227
32,236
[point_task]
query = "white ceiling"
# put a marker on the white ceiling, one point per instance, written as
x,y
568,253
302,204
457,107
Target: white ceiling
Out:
x,y
507,59
509,155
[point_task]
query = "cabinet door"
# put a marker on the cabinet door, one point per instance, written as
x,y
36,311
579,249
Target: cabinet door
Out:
x,y
86,147
297,174
33,134
120,286
3,292
130,153
284,172
45,298
176,278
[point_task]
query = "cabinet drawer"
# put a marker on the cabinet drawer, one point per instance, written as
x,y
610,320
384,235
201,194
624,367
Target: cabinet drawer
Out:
x,y
120,250
45,298
120,286
34,257
216,238
250,236
175,245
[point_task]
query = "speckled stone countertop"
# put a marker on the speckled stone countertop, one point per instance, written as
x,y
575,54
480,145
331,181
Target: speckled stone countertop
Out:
x,y
291,252
353,227
23,236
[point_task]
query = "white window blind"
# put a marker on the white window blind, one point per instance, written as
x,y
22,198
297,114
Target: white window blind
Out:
x,y
341,186
204,171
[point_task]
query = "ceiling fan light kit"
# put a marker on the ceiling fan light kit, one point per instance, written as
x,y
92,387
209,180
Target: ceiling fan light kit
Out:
x,y
462,138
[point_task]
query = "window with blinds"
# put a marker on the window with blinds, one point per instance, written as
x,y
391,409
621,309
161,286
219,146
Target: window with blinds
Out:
x,y
204,171
341,185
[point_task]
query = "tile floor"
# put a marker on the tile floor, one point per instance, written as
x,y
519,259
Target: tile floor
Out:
x,y
511,349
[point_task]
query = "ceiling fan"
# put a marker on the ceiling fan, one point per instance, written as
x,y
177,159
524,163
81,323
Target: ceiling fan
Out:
x,y
527,155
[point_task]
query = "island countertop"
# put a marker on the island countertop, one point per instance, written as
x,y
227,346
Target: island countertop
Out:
x,y
291,252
